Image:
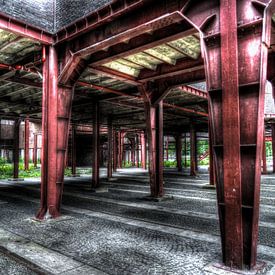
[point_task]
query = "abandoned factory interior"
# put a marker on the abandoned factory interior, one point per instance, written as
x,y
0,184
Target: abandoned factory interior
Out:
x,y
137,137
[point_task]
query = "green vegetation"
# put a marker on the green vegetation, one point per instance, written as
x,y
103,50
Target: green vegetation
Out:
x,y
6,170
170,164
268,145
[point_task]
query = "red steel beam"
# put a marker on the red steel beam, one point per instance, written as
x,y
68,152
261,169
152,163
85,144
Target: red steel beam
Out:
x,y
120,93
24,81
143,43
114,74
25,30
101,38
193,91
183,66
164,20
17,68
99,17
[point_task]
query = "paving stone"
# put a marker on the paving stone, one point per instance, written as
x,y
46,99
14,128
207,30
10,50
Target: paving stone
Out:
x,y
119,233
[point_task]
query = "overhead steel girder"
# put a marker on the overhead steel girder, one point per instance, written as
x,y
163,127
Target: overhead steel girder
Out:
x,y
101,16
25,30
235,39
56,113
119,31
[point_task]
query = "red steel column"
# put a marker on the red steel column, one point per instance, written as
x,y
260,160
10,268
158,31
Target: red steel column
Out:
x,y
27,144
235,53
34,157
119,162
121,136
143,151
73,150
196,152
115,151
96,146
179,151
56,112
264,156
137,150
133,151
273,145
185,150
154,122
192,150
16,148
110,149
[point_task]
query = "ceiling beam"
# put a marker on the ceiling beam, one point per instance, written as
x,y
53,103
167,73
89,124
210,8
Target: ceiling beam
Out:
x,y
121,93
142,43
21,28
163,71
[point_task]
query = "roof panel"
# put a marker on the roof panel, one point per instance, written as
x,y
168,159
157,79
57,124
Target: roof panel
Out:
x,y
189,45
144,60
122,68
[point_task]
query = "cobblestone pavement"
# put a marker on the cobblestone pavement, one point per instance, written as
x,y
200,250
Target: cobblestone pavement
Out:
x,y
121,232
8,265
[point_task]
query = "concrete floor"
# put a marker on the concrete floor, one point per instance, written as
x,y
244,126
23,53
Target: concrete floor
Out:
x,y
120,232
